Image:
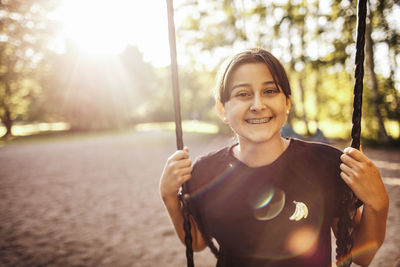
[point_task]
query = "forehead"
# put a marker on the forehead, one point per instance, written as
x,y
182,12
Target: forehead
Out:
x,y
250,73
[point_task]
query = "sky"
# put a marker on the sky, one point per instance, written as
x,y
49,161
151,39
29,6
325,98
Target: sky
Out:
x,y
99,27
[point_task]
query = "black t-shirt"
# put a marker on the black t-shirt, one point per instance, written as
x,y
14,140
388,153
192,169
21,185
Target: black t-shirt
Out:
x,y
251,212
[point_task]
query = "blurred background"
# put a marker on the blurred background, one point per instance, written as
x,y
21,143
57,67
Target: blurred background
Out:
x,y
101,65
86,113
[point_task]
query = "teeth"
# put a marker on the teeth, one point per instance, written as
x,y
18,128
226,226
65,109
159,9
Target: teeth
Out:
x,y
258,121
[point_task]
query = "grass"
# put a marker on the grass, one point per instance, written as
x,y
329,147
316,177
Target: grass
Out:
x,y
147,133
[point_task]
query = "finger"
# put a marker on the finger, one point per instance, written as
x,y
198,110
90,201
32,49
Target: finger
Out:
x,y
346,178
349,161
347,170
184,171
183,163
177,169
182,179
185,178
355,154
179,154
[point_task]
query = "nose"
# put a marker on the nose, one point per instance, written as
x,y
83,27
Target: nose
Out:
x,y
257,104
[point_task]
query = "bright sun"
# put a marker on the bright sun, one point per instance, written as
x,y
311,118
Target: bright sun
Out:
x,y
106,27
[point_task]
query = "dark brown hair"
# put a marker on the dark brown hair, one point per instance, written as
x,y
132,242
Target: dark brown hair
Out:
x,y
255,55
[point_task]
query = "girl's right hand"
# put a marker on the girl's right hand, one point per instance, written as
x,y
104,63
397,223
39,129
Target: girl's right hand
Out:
x,y
176,171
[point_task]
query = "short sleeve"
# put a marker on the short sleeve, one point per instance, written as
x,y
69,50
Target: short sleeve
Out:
x,y
190,187
204,169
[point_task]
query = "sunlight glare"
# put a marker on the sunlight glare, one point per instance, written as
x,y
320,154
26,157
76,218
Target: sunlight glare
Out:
x,y
94,26
103,27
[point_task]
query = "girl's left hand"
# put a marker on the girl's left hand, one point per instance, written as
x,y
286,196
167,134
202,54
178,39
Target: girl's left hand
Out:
x,y
363,177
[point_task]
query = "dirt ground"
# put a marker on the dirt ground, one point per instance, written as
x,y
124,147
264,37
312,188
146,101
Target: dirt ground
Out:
x,y
95,202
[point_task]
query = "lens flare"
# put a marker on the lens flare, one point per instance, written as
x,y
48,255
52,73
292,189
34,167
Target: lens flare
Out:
x,y
302,241
288,238
267,202
217,179
369,246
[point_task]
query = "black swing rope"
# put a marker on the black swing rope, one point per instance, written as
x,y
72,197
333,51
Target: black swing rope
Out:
x,y
178,128
344,241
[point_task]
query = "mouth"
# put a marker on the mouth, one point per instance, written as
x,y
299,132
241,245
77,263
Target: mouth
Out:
x,y
259,121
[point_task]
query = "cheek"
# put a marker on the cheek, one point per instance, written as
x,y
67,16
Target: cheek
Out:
x,y
233,110
280,108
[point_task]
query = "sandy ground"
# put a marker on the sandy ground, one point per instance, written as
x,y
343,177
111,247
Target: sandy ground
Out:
x,y
95,202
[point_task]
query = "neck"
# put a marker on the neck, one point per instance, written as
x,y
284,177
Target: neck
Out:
x,y
260,154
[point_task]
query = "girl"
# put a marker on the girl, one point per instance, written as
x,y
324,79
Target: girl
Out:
x,y
266,200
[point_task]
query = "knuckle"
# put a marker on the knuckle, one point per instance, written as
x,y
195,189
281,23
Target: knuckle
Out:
x,y
357,175
172,164
181,179
357,168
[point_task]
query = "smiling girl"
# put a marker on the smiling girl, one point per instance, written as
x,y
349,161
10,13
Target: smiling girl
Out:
x,y
267,200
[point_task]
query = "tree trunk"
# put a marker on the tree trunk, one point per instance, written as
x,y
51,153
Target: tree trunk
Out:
x,y
369,60
393,68
303,103
7,123
317,97
6,119
301,85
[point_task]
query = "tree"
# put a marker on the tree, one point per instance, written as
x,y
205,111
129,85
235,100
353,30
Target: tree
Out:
x,y
24,32
384,95
316,41
373,83
93,93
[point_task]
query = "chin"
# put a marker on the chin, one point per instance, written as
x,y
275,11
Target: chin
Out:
x,y
259,140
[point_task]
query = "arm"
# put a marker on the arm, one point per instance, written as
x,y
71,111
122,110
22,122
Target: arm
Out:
x,y
178,170
362,176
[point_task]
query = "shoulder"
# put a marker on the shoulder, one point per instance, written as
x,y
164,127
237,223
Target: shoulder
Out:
x,y
212,158
207,166
316,149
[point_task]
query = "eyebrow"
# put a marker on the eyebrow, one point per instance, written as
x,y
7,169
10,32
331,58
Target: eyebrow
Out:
x,y
249,85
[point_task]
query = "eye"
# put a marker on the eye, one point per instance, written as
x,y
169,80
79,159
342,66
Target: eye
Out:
x,y
270,91
242,94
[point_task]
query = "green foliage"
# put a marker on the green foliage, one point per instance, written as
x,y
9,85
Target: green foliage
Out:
x,y
316,42
24,32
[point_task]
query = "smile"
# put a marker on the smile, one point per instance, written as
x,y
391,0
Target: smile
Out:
x,y
259,121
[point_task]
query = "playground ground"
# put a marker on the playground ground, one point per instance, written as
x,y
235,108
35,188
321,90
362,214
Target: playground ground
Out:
x,y
94,201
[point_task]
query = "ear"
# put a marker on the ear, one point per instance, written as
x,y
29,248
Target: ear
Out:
x,y
220,110
288,104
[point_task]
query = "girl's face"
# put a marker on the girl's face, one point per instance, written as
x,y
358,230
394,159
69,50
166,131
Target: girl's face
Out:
x,y
257,108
